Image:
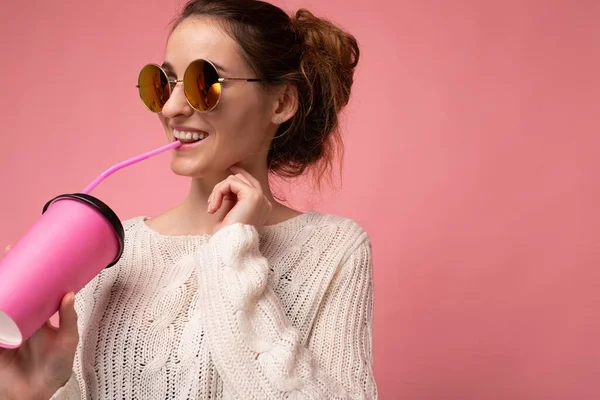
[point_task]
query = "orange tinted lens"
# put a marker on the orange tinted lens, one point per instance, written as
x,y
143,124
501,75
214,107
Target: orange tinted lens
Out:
x,y
154,87
201,84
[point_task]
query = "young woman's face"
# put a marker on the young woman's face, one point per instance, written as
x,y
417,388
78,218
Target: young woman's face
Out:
x,y
240,128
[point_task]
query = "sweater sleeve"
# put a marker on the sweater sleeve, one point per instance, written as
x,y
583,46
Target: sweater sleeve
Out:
x,y
75,388
255,347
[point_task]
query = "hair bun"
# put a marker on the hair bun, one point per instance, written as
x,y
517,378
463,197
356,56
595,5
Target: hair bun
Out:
x,y
331,51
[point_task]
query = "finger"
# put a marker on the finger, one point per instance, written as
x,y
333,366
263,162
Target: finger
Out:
x,y
251,179
68,319
230,186
225,190
244,179
7,248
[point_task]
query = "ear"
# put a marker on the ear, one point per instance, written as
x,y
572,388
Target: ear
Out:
x,y
286,104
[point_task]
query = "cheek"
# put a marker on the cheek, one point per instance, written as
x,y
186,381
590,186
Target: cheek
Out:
x,y
162,120
165,126
242,117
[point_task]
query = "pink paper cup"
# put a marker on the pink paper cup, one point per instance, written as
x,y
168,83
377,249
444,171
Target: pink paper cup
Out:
x,y
76,237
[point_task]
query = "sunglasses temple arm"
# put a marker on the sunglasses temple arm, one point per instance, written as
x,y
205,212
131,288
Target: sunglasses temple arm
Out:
x,y
127,163
240,79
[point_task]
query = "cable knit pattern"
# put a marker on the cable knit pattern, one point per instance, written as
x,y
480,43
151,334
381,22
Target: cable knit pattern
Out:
x,y
281,311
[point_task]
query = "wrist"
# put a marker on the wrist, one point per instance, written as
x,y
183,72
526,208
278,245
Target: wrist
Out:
x,y
51,387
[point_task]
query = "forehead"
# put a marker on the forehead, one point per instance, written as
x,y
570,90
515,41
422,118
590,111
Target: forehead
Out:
x,y
203,38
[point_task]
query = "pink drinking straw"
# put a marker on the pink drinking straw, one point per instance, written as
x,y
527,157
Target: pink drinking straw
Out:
x,y
127,163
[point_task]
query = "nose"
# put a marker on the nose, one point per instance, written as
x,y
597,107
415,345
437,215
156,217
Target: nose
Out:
x,y
177,104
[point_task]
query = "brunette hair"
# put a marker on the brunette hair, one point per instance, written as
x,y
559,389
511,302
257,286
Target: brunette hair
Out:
x,y
307,51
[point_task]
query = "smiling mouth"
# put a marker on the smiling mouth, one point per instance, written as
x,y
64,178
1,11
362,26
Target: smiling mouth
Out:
x,y
189,137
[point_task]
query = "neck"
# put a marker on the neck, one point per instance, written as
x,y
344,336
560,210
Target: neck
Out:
x,y
192,213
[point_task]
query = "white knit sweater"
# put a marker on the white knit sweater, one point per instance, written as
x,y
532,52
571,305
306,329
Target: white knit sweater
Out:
x,y
281,311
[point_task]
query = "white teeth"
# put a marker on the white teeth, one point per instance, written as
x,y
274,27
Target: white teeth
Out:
x,y
189,135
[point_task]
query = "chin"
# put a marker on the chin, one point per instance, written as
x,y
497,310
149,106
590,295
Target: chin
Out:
x,y
192,170
184,173
181,168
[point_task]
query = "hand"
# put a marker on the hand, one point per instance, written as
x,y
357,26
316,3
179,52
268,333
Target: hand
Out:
x,y
239,199
44,363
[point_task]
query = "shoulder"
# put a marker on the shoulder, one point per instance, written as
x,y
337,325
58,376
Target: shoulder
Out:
x,y
332,232
337,223
343,241
132,227
133,223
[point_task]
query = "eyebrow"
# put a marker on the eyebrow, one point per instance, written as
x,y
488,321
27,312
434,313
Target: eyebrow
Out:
x,y
169,67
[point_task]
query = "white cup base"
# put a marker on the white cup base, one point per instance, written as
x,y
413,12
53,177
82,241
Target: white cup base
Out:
x,y
10,334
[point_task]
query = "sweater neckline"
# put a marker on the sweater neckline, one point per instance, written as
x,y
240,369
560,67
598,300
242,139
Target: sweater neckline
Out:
x,y
290,222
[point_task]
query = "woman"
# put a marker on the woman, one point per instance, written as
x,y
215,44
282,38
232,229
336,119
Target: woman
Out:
x,y
229,294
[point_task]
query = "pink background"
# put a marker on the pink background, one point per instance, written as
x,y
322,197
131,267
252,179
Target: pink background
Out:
x,y
472,143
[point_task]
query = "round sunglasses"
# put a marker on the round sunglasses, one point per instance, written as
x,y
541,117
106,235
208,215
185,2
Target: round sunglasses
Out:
x,y
201,85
